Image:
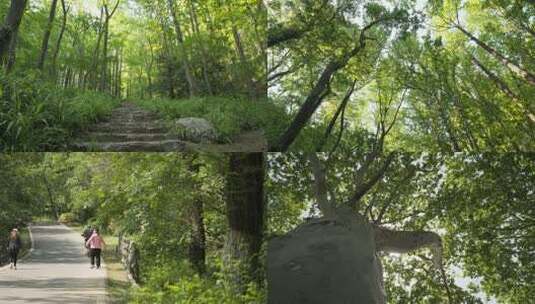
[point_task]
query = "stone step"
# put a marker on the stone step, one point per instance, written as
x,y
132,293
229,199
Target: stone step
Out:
x,y
128,128
120,137
132,146
133,113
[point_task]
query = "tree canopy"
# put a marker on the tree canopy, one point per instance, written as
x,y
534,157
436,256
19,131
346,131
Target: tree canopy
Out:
x,y
443,75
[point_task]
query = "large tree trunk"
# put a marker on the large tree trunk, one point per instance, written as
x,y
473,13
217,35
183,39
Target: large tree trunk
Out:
x,y
325,261
192,84
9,28
46,36
245,214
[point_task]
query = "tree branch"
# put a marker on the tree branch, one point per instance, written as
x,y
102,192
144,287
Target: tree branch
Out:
x,y
313,100
341,108
320,186
394,241
364,187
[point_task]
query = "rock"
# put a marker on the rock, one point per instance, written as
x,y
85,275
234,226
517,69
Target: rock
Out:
x,y
324,261
196,130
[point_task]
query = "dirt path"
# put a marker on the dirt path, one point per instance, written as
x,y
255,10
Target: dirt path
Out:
x,y
55,272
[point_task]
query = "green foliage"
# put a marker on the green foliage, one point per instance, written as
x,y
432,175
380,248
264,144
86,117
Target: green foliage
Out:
x,y
35,115
177,284
230,115
67,218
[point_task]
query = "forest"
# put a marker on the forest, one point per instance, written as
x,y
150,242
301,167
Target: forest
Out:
x,y
437,75
67,64
222,228
276,75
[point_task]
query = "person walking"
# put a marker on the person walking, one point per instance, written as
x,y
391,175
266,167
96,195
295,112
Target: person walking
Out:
x,y
95,244
88,231
13,247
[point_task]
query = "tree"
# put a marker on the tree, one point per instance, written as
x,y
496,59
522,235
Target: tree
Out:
x,y
105,79
46,36
192,83
65,10
9,30
245,208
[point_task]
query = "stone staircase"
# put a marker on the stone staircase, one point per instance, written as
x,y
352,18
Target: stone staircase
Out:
x,y
133,129
130,129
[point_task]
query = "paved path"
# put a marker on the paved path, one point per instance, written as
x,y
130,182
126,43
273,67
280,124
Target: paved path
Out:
x,y
55,272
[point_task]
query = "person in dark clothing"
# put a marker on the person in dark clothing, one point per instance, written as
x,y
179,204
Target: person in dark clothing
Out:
x,y
87,233
13,247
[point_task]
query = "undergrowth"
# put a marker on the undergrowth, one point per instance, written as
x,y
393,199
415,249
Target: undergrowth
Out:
x,y
229,115
176,282
35,115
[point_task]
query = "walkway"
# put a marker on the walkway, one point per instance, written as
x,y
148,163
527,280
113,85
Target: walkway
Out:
x,y
55,272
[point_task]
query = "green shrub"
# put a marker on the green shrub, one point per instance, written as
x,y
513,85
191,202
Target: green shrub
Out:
x,y
67,218
176,282
35,115
230,115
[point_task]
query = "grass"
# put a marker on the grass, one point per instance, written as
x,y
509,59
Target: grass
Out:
x,y
230,116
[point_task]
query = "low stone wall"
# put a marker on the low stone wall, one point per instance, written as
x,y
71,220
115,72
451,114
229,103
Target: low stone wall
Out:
x,y
129,254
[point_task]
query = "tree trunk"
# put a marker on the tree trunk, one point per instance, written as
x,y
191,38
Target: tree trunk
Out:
x,y
197,246
245,214
245,71
12,54
104,72
196,31
9,28
93,72
192,85
325,261
46,36
104,77
58,43
313,100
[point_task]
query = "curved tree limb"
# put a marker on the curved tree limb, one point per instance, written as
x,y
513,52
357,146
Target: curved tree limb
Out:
x,y
394,241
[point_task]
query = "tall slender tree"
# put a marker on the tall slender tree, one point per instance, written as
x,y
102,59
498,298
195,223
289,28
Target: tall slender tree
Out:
x,y
46,36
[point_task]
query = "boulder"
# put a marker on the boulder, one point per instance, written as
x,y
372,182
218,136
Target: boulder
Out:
x,y
196,130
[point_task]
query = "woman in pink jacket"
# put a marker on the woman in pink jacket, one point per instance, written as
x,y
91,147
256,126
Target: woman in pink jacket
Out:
x,y
95,244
